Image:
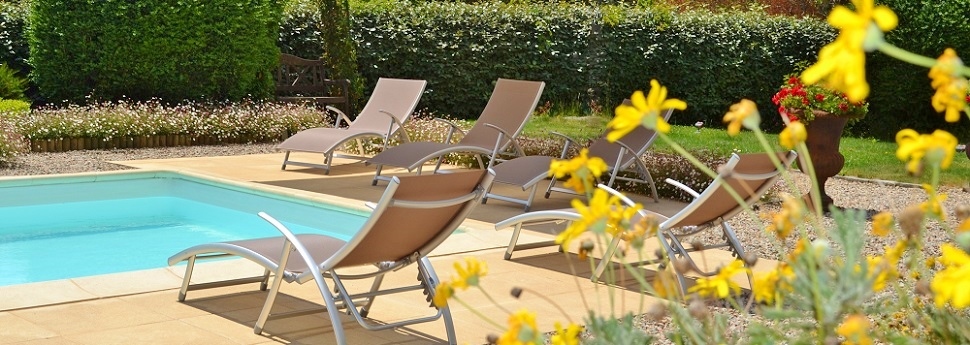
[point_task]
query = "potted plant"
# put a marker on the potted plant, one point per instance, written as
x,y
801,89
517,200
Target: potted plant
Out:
x,y
824,112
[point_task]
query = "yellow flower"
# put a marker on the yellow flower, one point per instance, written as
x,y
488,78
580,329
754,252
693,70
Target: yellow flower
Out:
x,y
645,111
743,113
582,170
720,285
964,226
522,330
951,89
442,293
952,284
936,148
854,328
934,204
882,223
567,336
594,217
470,274
665,285
791,215
646,227
793,134
842,63
768,286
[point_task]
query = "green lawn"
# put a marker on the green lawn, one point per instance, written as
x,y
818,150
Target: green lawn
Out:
x,y
866,158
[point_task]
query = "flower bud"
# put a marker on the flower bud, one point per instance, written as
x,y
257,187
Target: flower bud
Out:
x,y
682,265
911,221
657,312
698,309
516,292
491,338
963,212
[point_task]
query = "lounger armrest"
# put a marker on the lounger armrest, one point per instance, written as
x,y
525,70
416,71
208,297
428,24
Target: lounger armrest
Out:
x,y
390,128
683,187
539,217
566,144
505,134
340,116
451,132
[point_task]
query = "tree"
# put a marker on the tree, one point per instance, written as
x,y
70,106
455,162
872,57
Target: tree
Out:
x,y
339,51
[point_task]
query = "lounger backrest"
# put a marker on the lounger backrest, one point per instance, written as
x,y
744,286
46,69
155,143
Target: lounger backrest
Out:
x,y
750,175
509,108
396,96
639,139
398,230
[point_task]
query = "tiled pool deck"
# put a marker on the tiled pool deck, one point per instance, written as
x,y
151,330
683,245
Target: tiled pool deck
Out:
x,y
142,307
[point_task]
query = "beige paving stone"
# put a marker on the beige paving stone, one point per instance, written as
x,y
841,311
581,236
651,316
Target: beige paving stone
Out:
x,y
76,318
48,341
14,329
129,282
39,294
160,333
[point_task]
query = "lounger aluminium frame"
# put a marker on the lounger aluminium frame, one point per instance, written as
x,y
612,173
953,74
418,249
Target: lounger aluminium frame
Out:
x,y
414,215
750,175
623,155
509,108
383,117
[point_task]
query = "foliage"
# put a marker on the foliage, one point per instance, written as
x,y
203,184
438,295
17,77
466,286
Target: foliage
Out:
x,y
108,50
799,102
11,85
901,92
14,106
13,45
339,51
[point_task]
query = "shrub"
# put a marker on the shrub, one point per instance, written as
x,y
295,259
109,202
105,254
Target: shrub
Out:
x,y
175,51
11,85
13,106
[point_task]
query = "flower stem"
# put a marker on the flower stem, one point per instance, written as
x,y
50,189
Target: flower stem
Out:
x,y
478,313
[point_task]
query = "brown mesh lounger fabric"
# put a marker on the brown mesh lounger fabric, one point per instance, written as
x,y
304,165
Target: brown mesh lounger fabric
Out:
x,y
414,215
622,155
750,175
389,106
510,106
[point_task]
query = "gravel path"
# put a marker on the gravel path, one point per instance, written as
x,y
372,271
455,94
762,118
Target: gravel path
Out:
x,y
847,192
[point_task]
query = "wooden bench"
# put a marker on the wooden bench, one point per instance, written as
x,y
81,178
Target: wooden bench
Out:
x,y
301,80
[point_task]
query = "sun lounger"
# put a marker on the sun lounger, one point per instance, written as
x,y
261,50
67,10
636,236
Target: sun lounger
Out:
x,y
623,155
414,216
510,106
384,115
750,175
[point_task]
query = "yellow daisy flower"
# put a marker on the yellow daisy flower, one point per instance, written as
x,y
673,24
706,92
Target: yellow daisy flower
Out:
x,y
934,204
442,293
854,328
951,89
793,134
566,336
842,63
645,111
593,217
882,223
522,330
790,216
744,113
582,170
914,148
470,274
720,285
952,284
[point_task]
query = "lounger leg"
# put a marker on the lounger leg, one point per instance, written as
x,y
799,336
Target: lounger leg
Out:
x,y
376,175
189,266
513,241
265,282
370,300
268,304
426,270
607,258
286,158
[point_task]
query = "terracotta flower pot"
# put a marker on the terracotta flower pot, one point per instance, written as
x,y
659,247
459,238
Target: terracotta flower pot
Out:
x,y
824,136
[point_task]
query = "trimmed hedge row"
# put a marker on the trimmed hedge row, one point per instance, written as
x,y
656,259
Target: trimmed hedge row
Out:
x,y
586,55
173,50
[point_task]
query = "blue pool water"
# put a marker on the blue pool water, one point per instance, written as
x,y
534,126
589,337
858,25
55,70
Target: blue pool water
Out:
x,y
88,225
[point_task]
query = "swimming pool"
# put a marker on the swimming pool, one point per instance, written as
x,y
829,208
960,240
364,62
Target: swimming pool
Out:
x,y
89,224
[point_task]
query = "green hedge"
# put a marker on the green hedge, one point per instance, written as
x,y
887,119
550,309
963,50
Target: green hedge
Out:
x,y
586,55
168,49
900,92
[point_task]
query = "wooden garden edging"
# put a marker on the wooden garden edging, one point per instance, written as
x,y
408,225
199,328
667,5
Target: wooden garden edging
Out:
x,y
142,141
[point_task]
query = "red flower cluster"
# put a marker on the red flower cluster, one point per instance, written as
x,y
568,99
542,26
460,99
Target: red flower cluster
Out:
x,y
797,101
